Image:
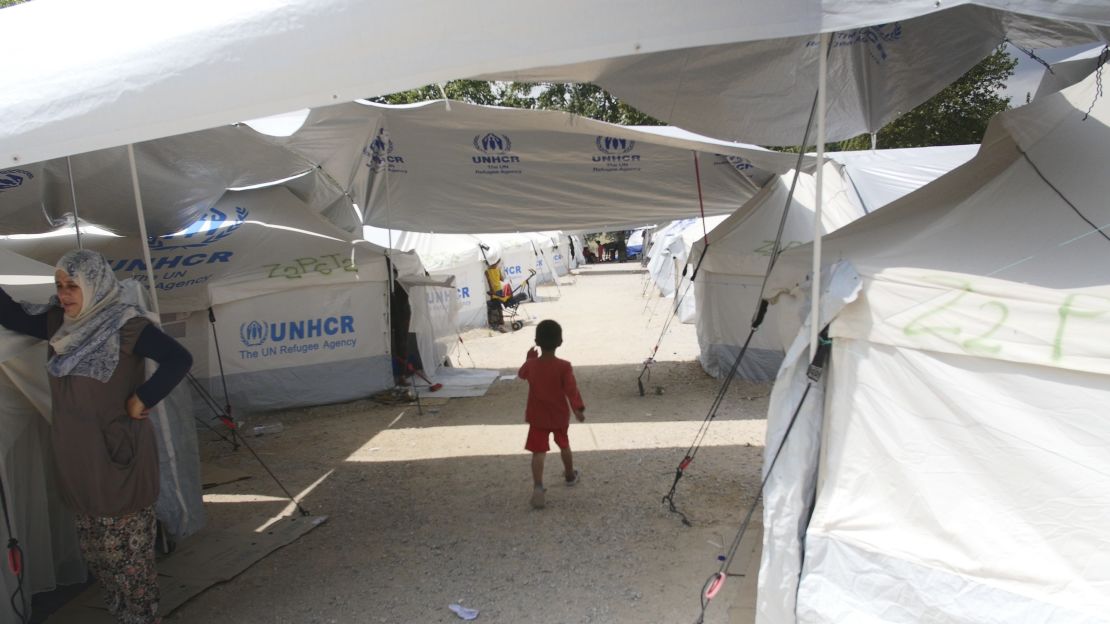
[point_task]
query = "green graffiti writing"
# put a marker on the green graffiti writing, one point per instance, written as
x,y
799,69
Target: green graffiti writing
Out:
x,y
1072,309
324,265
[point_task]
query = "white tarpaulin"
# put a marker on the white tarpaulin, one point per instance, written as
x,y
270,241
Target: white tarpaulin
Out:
x,y
762,91
463,168
730,278
176,69
879,177
957,461
419,168
300,309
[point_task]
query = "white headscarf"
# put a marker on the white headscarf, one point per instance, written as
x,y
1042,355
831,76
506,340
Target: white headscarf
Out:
x,y
88,344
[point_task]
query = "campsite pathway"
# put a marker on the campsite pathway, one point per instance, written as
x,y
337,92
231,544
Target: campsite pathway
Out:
x,y
428,510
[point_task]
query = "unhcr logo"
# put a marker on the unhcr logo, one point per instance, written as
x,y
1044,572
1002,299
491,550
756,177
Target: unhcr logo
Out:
x,y
739,163
380,152
13,178
614,150
495,149
254,333
492,143
876,38
613,145
211,227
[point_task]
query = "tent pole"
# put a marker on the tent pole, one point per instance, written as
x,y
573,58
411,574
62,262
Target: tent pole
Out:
x,y
142,230
73,194
814,311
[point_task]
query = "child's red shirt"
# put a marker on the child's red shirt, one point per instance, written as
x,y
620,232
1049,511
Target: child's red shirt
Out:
x,y
551,385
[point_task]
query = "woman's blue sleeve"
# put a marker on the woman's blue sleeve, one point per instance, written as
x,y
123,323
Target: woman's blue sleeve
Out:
x,y
174,362
15,318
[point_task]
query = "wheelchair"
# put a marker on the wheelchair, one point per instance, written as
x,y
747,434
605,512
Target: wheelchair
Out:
x,y
502,309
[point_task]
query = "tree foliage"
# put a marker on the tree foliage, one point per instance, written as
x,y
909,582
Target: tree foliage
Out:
x,y
8,3
958,115
583,99
472,91
587,100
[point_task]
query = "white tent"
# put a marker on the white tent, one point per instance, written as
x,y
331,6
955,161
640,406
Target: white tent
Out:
x,y
729,281
176,69
40,522
951,464
435,309
464,256
300,310
670,265
659,267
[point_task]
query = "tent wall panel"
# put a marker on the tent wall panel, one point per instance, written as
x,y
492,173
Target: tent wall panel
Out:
x,y
323,344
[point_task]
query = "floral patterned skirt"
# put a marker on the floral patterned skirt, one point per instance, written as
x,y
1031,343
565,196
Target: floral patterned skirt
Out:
x,y
120,553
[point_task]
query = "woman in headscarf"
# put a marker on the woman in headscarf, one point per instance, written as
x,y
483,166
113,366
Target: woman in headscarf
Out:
x,y
104,445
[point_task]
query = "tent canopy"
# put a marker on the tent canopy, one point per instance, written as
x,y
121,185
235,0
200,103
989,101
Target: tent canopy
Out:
x,y
463,168
449,167
131,71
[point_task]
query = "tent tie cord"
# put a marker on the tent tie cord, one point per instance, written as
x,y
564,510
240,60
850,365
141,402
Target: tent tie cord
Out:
x,y
775,250
226,419
220,361
699,437
717,580
15,562
667,325
217,412
1063,198
1032,55
678,300
761,312
1102,58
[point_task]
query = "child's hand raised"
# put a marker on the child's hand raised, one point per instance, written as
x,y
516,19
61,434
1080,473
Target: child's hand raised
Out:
x,y
533,353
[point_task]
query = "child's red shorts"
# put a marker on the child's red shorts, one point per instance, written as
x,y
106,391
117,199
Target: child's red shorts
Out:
x,y
537,439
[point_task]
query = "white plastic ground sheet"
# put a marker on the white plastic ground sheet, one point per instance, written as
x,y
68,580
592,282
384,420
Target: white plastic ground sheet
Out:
x,y
460,382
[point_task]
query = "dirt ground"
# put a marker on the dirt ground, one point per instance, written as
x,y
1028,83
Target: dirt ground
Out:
x,y
432,509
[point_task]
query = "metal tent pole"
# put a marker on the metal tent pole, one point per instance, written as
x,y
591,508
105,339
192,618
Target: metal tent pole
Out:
x,y
815,295
142,230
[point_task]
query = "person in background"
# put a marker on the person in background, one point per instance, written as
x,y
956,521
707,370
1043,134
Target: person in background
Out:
x,y
400,317
551,387
104,445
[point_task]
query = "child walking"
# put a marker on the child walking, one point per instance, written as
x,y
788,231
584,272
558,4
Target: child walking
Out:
x,y
551,386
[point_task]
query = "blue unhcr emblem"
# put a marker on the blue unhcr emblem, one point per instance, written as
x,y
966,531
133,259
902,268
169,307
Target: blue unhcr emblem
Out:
x,y
612,145
253,333
741,164
876,38
379,149
208,229
492,143
12,178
